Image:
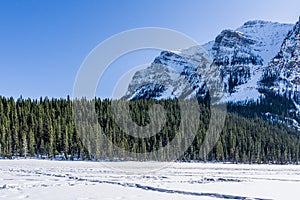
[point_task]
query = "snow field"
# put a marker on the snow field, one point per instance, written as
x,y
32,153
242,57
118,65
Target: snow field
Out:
x,y
43,179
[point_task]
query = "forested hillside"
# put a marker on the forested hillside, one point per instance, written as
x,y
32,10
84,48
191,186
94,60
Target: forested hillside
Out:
x,y
46,128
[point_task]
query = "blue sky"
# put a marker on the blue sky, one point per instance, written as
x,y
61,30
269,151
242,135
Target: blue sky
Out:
x,y
43,43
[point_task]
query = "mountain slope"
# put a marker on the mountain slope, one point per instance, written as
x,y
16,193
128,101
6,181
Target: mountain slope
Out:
x,y
283,72
282,76
270,36
171,75
242,54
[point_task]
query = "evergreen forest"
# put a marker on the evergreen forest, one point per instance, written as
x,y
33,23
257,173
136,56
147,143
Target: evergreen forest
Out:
x,y
46,128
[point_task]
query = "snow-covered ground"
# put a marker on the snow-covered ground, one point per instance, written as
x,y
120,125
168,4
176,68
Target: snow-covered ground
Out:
x,y
42,179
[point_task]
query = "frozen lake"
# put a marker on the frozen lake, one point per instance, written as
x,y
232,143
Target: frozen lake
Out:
x,y
43,179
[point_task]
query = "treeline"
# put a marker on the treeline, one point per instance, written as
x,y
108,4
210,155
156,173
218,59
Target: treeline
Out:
x,y
46,128
37,128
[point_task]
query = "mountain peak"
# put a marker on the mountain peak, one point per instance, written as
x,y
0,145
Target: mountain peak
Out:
x,y
257,22
231,38
296,28
290,49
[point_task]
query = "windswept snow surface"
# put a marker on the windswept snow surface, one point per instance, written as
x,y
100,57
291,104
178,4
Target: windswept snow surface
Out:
x,y
42,179
269,34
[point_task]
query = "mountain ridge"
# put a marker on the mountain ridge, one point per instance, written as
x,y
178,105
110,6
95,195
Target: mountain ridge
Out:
x,y
240,58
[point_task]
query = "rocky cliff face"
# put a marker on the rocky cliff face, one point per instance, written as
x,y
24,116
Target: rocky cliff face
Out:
x,y
282,75
283,72
171,75
235,58
242,54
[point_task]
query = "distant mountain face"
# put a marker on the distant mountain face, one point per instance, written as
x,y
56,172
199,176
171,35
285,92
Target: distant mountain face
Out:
x,y
282,75
235,58
171,75
242,54
259,60
238,55
283,72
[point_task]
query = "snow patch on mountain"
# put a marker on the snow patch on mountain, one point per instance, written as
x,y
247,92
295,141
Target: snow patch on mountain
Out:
x,y
269,36
246,92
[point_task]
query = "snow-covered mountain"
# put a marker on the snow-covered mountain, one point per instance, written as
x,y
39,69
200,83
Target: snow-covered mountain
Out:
x,y
282,76
239,58
242,54
171,75
283,72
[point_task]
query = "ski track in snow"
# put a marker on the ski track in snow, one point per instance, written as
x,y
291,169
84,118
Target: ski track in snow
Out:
x,y
31,179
